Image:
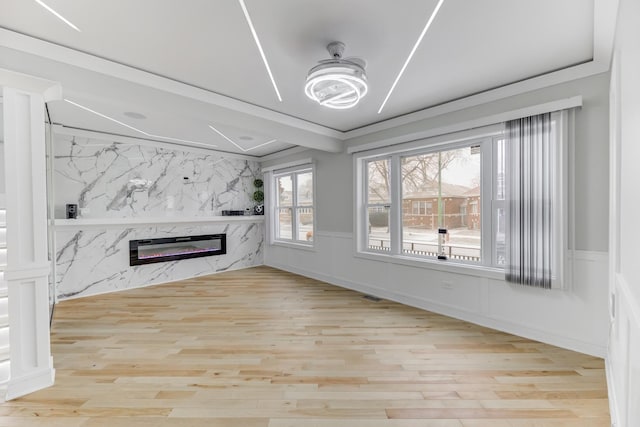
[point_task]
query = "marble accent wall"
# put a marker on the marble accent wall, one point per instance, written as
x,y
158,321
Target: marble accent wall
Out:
x,y
95,260
110,180
115,180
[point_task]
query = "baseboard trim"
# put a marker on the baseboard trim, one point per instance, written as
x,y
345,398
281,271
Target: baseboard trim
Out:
x,y
447,310
34,381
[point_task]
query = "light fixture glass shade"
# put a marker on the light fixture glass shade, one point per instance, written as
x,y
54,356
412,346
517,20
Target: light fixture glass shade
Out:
x,y
338,84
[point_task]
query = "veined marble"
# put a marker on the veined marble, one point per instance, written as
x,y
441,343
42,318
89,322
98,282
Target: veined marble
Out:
x,y
111,179
117,180
93,261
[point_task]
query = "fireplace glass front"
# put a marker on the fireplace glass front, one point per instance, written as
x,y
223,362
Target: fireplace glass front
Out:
x,y
148,251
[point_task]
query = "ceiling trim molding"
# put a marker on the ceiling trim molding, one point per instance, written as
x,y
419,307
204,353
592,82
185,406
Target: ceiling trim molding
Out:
x,y
604,28
284,153
605,15
34,46
293,163
121,139
554,78
547,107
50,90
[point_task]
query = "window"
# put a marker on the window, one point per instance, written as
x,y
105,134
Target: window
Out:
x,y
442,180
293,219
378,204
436,199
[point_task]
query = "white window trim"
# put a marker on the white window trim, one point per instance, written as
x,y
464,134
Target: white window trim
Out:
x,y
270,174
565,234
483,136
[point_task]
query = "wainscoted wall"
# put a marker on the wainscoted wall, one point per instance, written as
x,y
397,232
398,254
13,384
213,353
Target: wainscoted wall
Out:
x,y
571,320
131,189
108,179
623,360
94,260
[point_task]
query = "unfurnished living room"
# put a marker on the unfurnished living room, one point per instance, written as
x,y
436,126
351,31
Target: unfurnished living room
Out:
x,y
304,213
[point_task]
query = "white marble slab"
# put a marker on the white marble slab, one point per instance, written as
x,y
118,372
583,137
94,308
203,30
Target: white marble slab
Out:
x,y
128,191
93,261
116,180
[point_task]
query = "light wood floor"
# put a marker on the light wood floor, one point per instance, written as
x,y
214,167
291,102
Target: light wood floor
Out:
x,y
265,348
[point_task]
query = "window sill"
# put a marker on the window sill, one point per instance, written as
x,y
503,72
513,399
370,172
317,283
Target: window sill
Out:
x,y
439,265
294,245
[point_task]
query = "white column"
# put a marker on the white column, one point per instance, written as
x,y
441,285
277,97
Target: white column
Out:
x,y
27,268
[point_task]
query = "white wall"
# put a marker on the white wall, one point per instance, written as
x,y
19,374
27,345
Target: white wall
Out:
x,y
623,359
575,319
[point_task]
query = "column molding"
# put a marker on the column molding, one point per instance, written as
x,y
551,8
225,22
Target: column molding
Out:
x,y
27,270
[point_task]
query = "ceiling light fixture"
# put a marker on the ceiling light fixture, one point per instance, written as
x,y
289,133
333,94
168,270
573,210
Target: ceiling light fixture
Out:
x,y
338,83
244,150
415,46
150,135
257,40
57,15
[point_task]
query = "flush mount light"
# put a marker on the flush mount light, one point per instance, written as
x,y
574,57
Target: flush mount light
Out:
x,y
338,83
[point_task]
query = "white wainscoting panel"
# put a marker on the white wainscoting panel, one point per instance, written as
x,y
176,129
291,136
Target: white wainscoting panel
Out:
x,y
624,354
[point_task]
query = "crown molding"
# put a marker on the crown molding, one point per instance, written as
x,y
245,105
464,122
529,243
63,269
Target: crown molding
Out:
x,y
52,51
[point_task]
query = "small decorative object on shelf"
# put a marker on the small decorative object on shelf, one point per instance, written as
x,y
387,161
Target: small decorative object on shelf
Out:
x,y
72,211
232,213
258,197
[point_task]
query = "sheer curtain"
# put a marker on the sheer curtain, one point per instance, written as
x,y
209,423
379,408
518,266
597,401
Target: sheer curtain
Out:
x,y
530,194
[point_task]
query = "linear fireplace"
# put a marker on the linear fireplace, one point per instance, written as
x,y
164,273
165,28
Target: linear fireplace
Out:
x,y
148,251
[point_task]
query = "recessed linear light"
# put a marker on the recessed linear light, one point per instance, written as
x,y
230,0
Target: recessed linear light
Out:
x,y
57,15
257,40
150,135
415,46
239,147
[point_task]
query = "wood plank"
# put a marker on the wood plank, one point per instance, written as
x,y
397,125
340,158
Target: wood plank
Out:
x,y
265,348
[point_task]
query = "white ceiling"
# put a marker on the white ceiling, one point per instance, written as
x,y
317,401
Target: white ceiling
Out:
x,y
203,49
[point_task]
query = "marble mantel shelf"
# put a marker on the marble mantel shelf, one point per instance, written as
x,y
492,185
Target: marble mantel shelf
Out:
x,y
142,221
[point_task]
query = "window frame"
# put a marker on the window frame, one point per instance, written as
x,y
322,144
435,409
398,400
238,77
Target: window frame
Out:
x,y
484,136
274,206
489,268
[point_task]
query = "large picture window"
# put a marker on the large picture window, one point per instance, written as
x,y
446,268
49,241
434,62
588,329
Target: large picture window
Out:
x,y
293,219
438,200
437,189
